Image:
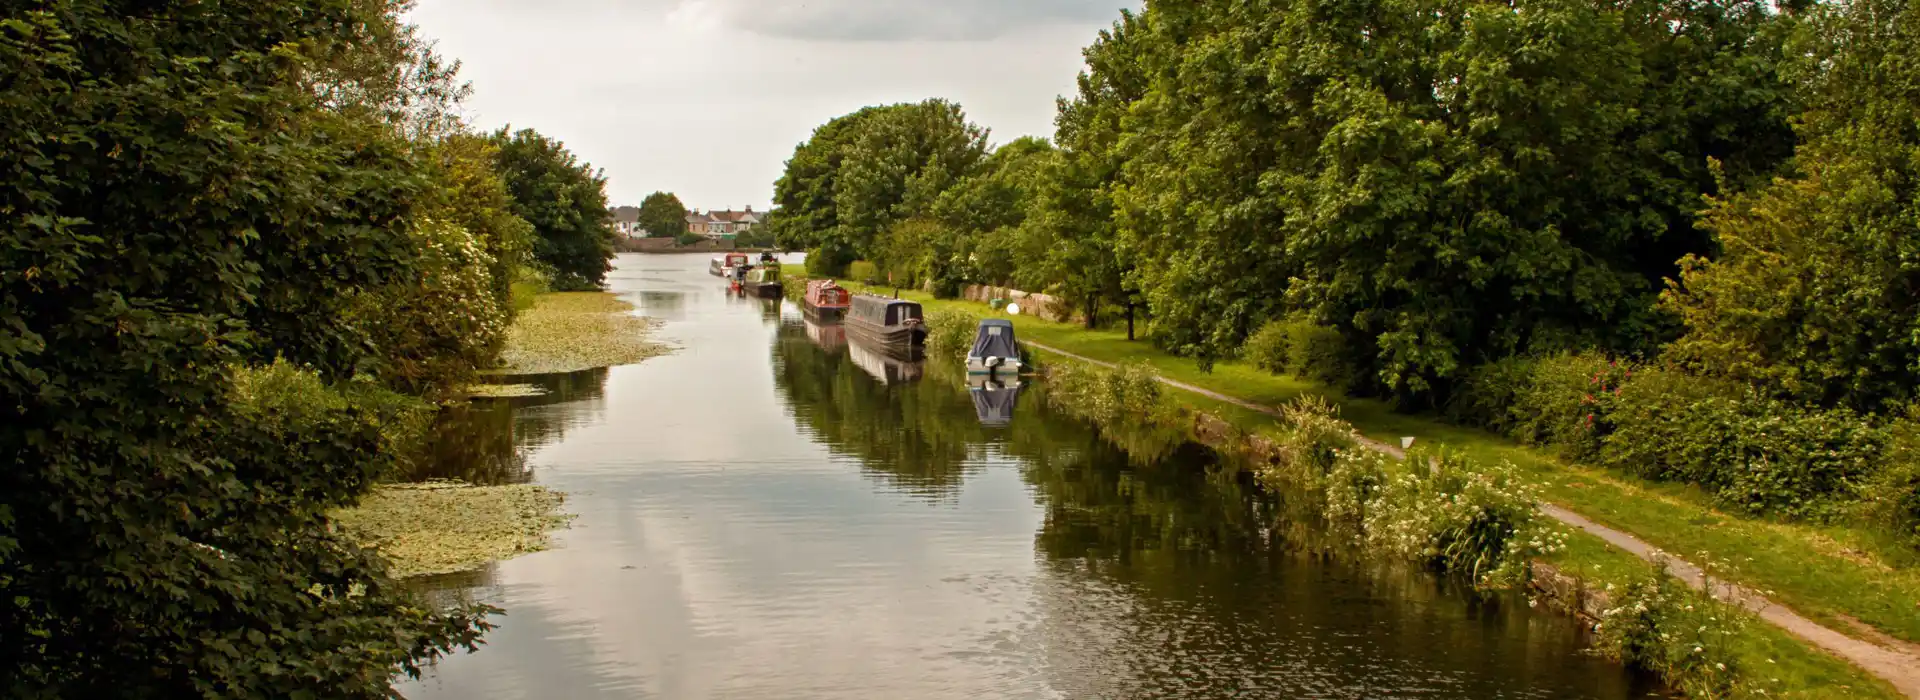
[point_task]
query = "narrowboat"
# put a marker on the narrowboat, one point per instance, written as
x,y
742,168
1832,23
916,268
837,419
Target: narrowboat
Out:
x,y
825,300
724,265
994,351
763,282
894,325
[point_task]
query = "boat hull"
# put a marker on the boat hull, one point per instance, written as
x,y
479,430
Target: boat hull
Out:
x,y
900,340
1008,367
764,290
824,313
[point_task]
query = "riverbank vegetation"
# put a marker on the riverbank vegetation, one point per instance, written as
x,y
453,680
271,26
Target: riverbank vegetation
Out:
x,y
442,527
1451,511
572,331
1661,246
247,248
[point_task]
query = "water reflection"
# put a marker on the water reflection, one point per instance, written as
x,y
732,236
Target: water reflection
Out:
x,y
915,437
1180,578
761,517
993,400
661,305
486,441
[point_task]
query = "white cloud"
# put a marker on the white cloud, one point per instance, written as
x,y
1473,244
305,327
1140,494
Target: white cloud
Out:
x,y
707,98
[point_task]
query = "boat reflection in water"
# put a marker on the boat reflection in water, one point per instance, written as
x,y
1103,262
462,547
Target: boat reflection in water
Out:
x,y
828,336
889,365
994,398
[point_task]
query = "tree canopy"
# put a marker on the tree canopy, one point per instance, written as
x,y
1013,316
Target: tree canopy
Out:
x,y
201,199
861,172
662,215
1814,293
566,202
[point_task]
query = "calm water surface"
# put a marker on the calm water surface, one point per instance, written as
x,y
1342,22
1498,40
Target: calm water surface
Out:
x,y
771,512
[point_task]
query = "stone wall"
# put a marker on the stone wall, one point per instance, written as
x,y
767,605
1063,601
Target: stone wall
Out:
x,y
669,245
1044,306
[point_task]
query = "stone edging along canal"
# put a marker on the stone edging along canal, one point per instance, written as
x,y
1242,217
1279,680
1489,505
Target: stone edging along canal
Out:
x,y
1897,666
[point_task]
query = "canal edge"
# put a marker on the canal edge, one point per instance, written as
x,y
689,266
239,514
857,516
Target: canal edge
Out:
x,y
1898,667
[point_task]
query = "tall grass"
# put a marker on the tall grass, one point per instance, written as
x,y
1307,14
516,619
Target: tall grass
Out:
x,y
950,332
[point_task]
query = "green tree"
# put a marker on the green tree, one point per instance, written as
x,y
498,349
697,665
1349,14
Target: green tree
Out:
x,y
181,196
861,172
565,200
1815,293
663,216
1073,210
1443,184
471,195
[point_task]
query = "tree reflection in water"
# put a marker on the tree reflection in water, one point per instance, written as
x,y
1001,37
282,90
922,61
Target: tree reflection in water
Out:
x,y
486,441
1169,574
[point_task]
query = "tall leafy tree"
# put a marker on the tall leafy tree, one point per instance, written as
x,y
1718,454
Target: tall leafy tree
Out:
x,y
662,215
1073,210
1815,293
1445,183
181,195
861,172
566,202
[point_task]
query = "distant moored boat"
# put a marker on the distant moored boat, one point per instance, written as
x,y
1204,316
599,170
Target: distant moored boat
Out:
x,y
825,300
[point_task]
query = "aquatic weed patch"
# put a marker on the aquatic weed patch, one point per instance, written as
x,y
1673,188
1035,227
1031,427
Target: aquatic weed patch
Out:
x,y
573,331
504,391
442,527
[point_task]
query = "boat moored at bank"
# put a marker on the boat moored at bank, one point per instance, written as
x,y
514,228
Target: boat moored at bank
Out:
x,y
825,300
894,325
724,265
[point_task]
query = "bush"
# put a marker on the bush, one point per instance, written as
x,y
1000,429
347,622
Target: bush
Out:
x,y
1267,348
434,331
1447,510
1760,455
950,332
1672,426
1892,497
1490,395
1300,348
864,272
1799,463
1566,403
1659,624
827,263
1126,403
1314,436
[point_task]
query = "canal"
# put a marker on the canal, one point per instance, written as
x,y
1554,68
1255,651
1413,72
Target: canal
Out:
x,y
770,512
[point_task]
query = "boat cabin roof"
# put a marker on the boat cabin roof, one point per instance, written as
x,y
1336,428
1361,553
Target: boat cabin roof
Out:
x,y
883,310
994,338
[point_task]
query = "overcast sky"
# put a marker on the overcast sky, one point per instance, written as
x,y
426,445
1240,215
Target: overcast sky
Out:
x,y
707,98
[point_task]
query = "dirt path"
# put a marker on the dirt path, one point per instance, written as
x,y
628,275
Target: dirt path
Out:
x,y
1897,666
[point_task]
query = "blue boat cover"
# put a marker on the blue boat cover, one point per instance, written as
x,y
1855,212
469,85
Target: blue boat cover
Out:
x,y
994,338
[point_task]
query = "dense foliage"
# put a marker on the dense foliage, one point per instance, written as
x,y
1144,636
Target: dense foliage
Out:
x,y
565,200
1816,293
860,173
242,241
662,215
1502,209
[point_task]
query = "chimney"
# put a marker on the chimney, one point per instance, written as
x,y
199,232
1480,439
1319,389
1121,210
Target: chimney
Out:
x,y
749,209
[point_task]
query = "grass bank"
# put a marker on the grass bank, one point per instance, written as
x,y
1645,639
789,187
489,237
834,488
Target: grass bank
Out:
x,y
573,331
1827,573
442,527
